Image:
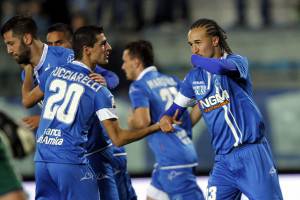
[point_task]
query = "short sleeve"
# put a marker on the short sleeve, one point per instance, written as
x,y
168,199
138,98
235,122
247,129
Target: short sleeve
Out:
x,y
105,105
138,96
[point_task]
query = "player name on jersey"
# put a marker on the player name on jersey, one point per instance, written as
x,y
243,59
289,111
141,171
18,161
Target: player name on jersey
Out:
x,y
63,73
161,82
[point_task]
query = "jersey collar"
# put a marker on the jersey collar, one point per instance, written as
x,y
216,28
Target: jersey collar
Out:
x,y
224,55
148,69
76,62
43,58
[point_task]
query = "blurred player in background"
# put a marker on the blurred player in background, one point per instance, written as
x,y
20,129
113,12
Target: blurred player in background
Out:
x,y
10,185
220,82
151,93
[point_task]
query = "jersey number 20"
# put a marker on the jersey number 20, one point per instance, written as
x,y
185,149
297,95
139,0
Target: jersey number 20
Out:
x,y
69,95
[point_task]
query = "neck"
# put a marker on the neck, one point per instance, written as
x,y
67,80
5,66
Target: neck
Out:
x,y
139,70
218,53
88,63
37,48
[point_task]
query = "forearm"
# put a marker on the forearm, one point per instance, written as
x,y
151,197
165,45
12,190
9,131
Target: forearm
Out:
x,y
27,85
195,114
214,65
121,137
126,136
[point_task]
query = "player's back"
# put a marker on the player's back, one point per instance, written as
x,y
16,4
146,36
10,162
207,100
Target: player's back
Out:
x,y
158,91
69,99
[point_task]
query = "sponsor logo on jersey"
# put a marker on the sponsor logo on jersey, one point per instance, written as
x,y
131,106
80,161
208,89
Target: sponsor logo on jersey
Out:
x,y
215,101
199,89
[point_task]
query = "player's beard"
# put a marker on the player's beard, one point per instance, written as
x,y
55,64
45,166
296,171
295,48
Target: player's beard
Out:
x,y
24,57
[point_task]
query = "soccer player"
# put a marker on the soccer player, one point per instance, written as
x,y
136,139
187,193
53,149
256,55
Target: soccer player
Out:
x,y
103,155
71,102
220,82
151,93
10,185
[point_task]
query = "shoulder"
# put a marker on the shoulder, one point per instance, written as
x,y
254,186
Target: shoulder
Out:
x,y
237,58
137,86
59,51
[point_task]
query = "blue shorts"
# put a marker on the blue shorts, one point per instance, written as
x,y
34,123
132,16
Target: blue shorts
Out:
x,y
105,175
65,181
178,184
123,180
248,169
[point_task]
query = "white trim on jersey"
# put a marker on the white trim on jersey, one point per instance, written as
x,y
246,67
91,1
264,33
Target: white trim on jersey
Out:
x,y
208,80
178,166
146,70
81,64
184,101
120,154
42,59
155,193
98,150
229,123
41,62
107,113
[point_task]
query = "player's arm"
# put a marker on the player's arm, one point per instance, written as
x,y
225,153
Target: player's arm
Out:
x,y
215,65
30,96
184,98
121,136
106,77
195,114
140,118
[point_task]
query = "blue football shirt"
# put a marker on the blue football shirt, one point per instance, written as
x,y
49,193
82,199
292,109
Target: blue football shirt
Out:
x,y
226,103
71,100
156,91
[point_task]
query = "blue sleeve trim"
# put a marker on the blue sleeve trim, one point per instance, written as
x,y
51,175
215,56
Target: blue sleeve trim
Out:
x,y
171,111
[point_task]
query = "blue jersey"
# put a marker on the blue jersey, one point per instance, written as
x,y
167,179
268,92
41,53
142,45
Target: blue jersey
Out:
x,y
54,56
71,100
226,103
156,91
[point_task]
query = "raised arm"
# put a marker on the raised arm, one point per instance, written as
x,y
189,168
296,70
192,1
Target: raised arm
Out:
x,y
215,65
30,96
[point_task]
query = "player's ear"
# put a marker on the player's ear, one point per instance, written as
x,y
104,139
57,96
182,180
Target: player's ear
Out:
x,y
137,62
27,38
215,41
86,50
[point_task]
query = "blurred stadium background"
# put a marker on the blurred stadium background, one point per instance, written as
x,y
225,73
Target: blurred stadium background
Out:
x,y
270,40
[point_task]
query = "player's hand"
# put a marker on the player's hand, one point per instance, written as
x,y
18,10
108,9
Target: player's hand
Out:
x,y
32,122
166,122
98,78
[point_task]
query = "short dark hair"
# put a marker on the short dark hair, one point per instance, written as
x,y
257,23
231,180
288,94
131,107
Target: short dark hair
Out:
x,y
213,29
20,25
61,27
85,36
143,50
